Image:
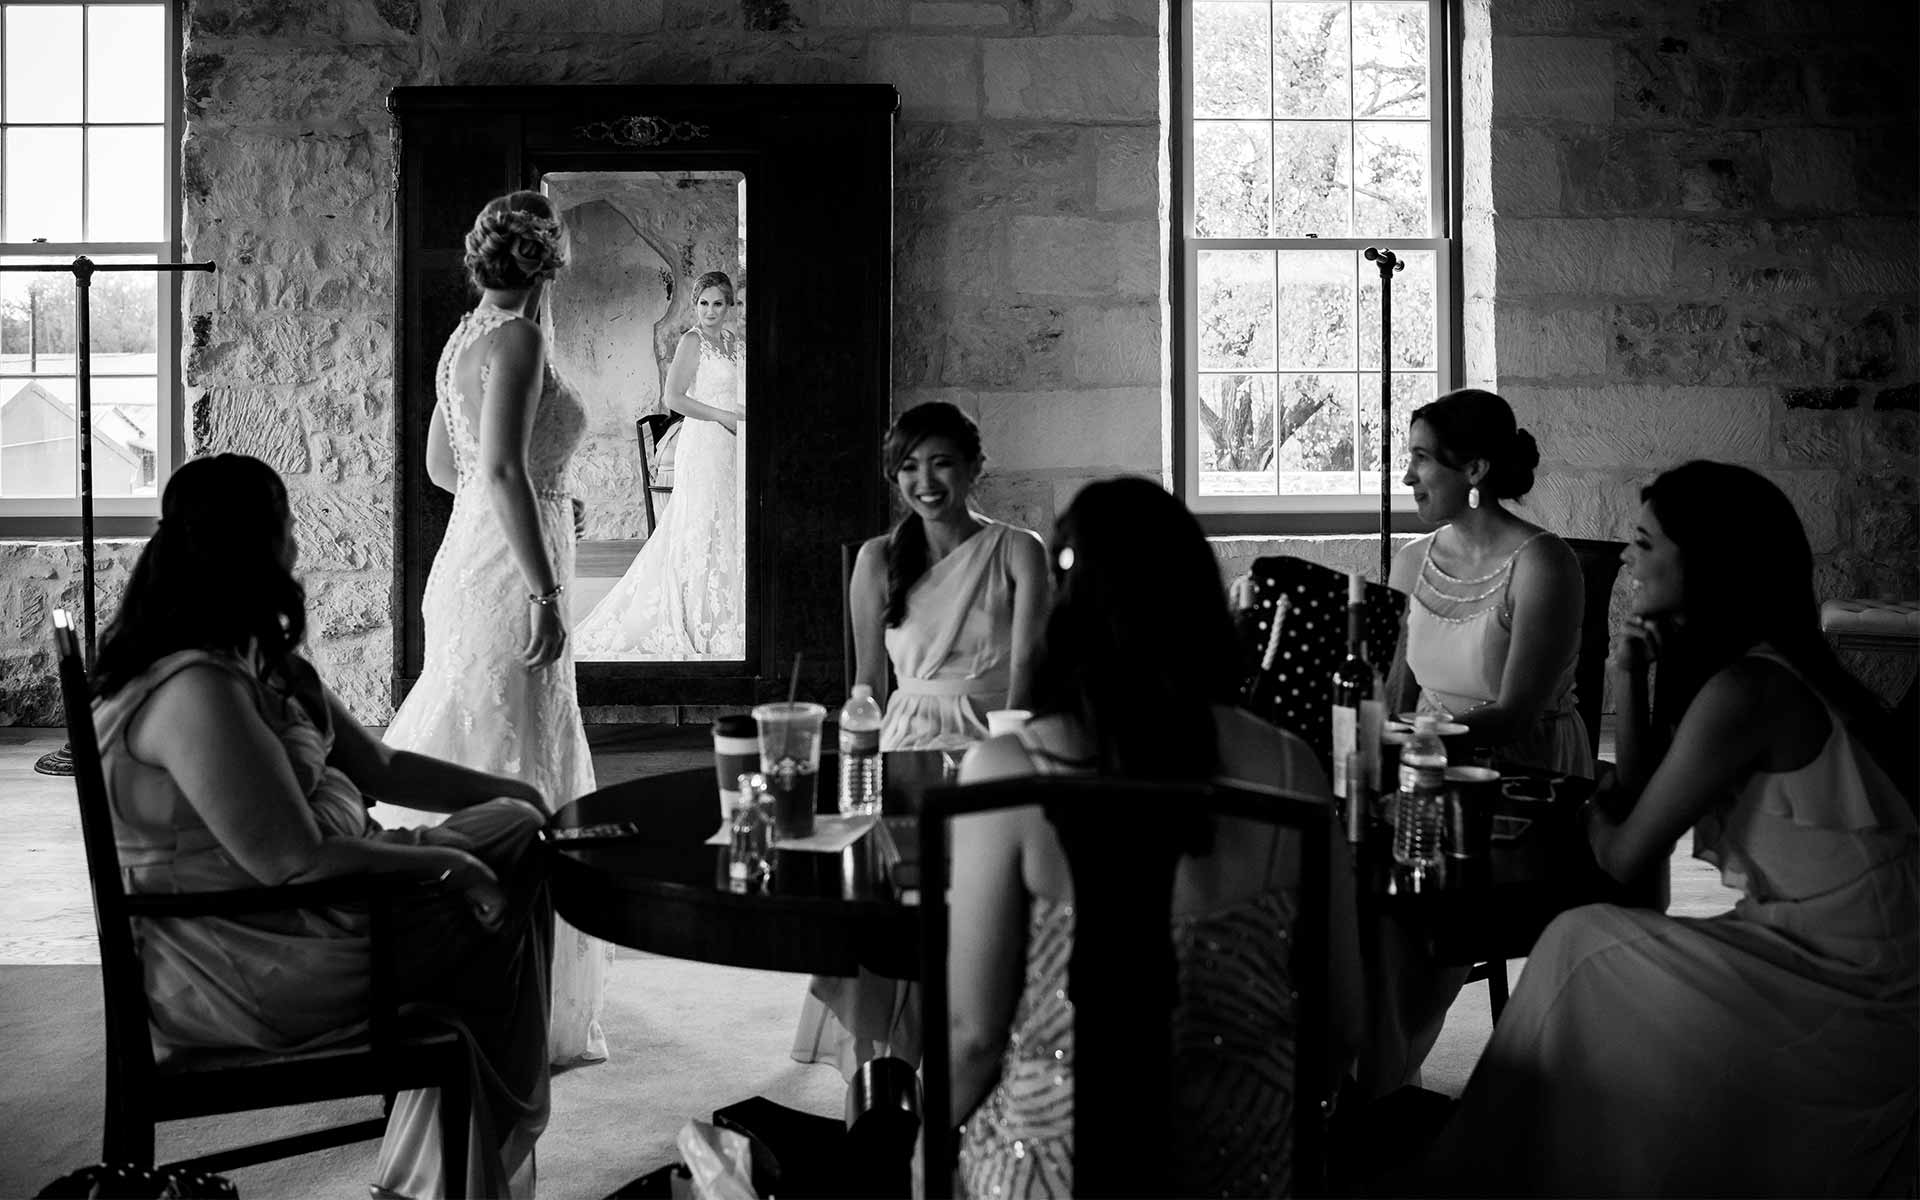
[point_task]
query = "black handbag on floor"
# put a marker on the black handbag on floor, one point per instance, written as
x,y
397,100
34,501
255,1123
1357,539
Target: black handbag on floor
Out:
x,y
125,1181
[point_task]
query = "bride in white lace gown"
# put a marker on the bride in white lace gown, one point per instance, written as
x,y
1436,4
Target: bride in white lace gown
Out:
x,y
496,690
681,598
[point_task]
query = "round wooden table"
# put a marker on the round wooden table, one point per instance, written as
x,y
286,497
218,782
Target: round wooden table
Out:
x,y
644,877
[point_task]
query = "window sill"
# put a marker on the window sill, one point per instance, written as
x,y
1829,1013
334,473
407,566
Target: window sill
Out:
x,y
67,529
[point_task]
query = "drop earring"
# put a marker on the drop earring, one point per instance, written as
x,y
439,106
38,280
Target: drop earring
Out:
x,y
1473,496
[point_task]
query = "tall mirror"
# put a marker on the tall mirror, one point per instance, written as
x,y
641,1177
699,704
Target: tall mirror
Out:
x,y
649,325
732,449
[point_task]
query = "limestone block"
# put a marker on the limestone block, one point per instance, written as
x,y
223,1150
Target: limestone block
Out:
x,y
1628,427
1525,167
1817,496
1886,530
1346,553
1552,78
1879,255
359,670
1131,16
344,528
345,606
961,254
919,343
1072,78
1888,177
473,19
1128,171
1678,343
858,14
938,77
1613,171
1006,345
1100,430
338,22
1016,499
254,422
331,409
363,256
1117,345
1866,344
1811,168
1810,437
697,14
965,13
1703,81
1861,82
240,176
364,455
995,168
1783,344
1585,257
321,88
1071,256
1551,341
1574,502
347,351
1820,398
1890,444
1905,398
1715,172
967,400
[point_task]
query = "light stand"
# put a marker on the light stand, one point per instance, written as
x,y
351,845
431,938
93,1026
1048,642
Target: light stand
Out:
x,y
60,762
1389,262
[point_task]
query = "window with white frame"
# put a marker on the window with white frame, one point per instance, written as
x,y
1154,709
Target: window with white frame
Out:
x,y
1310,130
86,137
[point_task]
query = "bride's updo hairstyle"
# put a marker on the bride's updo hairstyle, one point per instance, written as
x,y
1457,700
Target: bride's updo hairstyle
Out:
x,y
714,279
1471,423
907,544
515,242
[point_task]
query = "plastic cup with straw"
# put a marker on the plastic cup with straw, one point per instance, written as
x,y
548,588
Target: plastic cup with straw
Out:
x,y
790,758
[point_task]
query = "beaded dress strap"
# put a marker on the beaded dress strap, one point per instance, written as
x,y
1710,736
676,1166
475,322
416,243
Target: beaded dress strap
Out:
x,y
1505,564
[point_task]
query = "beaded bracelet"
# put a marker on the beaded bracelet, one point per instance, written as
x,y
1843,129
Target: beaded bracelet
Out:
x,y
547,599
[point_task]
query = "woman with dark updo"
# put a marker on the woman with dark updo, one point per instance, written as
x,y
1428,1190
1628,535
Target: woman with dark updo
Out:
x,y
1493,626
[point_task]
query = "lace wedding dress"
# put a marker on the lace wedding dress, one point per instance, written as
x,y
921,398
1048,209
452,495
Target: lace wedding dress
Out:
x,y
475,704
682,597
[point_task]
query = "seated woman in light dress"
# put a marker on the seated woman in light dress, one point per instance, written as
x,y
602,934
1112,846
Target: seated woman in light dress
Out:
x,y
954,601
1137,679
1495,602
1768,1051
230,765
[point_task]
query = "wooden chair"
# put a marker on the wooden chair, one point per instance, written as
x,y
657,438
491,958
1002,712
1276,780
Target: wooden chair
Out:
x,y
1122,974
651,430
141,1092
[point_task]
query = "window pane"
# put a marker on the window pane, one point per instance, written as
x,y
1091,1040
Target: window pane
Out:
x,y
1232,178
1410,391
43,185
1316,435
1312,178
1236,435
126,48
1392,196
1236,310
125,426
1230,60
1390,67
1414,299
1315,310
125,171
38,438
1310,66
36,321
43,63
125,321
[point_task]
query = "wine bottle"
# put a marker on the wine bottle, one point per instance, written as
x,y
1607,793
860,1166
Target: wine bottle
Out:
x,y
1352,687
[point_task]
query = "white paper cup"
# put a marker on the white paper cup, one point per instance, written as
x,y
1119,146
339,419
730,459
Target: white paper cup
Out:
x,y
1006,720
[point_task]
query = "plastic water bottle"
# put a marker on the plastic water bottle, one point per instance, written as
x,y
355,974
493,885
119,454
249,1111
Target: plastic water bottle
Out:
x,y
1420,809
861,777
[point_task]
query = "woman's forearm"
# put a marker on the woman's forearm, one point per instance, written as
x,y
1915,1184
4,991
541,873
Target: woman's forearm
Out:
x,y
511,493
435,785
687,406
1635,756
974,1066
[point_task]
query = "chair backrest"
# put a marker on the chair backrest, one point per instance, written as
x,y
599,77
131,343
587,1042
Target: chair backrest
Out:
x,y
1599,569
1308,637
650,431
1122,971
129,1042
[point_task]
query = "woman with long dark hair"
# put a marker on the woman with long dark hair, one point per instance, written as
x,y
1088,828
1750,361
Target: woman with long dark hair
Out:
x,y
229,764
1769,1050
1137,679
953,601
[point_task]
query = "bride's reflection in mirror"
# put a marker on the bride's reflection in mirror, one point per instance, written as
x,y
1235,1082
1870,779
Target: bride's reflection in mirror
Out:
x,y
653,335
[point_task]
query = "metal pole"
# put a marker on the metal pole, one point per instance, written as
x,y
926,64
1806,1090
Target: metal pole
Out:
x,y
1388,263
60,762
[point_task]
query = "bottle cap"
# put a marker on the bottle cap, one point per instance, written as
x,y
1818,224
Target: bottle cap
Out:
x,y
862,691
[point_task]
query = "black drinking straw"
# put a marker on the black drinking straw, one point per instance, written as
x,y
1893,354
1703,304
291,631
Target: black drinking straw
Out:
x,y
793,693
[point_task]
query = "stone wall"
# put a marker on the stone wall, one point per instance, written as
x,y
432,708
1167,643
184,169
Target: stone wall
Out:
x,y
1028,188
1706,247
